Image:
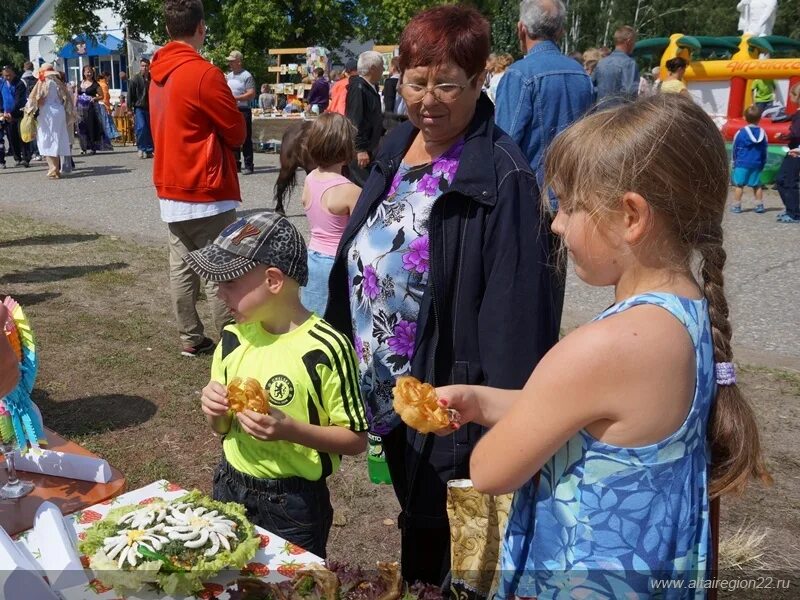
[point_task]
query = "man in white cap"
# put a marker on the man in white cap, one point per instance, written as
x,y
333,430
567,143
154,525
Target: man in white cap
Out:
x,y
243,87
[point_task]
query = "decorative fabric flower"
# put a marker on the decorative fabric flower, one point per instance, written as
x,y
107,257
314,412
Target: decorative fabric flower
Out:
x,y
416,258
372,288
402,343
429,185
359,346
447,168
395,184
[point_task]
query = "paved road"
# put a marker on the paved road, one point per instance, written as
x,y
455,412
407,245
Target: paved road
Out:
x,y
112,193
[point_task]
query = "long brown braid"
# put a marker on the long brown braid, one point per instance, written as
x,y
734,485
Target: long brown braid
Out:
x,y
667,149
735,444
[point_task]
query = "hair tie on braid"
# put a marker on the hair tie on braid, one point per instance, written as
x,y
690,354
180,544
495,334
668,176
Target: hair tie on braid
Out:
x,y
726,373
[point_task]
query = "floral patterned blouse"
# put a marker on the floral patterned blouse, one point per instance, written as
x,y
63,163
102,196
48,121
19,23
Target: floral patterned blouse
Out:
x,y
387,274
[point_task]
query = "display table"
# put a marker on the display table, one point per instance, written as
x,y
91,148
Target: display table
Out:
x,y
276,560
268,128
69,495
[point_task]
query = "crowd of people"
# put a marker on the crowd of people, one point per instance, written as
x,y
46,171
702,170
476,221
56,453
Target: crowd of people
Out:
x,y
615,78
434,252
61,110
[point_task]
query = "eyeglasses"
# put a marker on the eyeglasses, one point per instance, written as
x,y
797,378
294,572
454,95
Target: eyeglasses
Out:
x,y
413,93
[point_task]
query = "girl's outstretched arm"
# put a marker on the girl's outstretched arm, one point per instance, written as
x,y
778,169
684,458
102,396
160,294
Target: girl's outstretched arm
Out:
x,y
560,398
629,378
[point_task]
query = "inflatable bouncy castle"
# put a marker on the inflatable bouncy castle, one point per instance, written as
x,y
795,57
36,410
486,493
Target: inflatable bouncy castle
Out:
x,y
721,72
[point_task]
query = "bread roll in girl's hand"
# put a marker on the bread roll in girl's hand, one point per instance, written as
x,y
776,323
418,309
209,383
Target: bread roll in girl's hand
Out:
x,y
247,394
418,406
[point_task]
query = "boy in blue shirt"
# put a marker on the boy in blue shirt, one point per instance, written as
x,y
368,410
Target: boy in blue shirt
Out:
x,y
749,158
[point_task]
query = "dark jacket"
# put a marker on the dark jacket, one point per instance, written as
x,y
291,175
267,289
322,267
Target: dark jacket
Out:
x,y
320,94
29,79
363,108
390,94
138,92
488,314
793,138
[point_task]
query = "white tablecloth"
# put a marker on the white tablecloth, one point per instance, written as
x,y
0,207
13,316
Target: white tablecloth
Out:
x,y
274,561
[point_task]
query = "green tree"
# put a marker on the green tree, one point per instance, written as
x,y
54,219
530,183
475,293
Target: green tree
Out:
x,y
255,26
14,51
384,20
504,28
787,21
251,26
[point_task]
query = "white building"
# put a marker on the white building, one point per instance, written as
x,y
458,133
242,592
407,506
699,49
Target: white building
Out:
x,y
106,54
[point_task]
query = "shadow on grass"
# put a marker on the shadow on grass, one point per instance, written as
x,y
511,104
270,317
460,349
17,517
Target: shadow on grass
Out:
x,y
48,240
93,414
32,299
47,274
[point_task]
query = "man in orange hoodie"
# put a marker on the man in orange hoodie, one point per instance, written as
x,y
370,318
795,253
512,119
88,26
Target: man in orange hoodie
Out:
x,y
196,125
338,95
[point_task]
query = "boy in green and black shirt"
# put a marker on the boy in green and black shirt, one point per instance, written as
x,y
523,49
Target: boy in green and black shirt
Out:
x,y
276,465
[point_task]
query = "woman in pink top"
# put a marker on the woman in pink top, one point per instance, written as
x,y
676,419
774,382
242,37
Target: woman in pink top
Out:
x,y
328,199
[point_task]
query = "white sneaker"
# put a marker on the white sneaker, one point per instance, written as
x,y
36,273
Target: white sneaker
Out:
x,y
142,154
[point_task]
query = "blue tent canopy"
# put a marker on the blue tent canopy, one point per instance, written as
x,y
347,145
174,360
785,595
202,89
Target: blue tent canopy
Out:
x,y
106,44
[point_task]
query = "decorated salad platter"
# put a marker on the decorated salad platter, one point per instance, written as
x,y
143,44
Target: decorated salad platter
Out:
x,y
187,571
175,544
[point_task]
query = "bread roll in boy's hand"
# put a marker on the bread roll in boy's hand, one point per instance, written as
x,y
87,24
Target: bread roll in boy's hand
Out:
x,y
418,406
247,394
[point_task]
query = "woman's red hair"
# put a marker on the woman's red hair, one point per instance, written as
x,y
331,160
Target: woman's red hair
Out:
x,y
451,34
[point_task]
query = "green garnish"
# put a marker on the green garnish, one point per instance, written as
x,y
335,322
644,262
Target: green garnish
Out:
x,y
305,586
168,567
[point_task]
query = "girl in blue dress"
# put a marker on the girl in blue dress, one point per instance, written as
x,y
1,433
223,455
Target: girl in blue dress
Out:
x,y
633,421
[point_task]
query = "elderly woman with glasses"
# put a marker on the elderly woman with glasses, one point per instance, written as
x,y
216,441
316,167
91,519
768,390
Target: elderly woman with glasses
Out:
x,y
443,270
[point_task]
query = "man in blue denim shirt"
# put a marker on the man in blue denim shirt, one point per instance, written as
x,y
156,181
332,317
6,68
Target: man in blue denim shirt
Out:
x,y
617,75
542,94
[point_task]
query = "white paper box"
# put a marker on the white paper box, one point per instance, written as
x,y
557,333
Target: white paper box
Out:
x,y
61,464
59,558
19,578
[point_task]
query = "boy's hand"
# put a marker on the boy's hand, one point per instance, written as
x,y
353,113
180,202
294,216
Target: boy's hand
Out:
x,y
269,428
214,399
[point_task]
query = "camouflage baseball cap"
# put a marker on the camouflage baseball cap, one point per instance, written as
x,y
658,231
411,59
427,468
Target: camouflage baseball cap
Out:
x,y
262,239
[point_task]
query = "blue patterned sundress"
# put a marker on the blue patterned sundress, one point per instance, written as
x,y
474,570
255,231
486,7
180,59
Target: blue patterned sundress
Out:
x,y
609,521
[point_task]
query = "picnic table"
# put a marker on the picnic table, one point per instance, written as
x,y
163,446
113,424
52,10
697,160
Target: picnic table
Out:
x,y
69,495
276,560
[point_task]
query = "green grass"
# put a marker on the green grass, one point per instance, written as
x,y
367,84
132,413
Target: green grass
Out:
x,y
111,278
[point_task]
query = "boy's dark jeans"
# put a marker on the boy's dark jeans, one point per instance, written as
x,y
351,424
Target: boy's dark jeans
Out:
x,y
296,509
